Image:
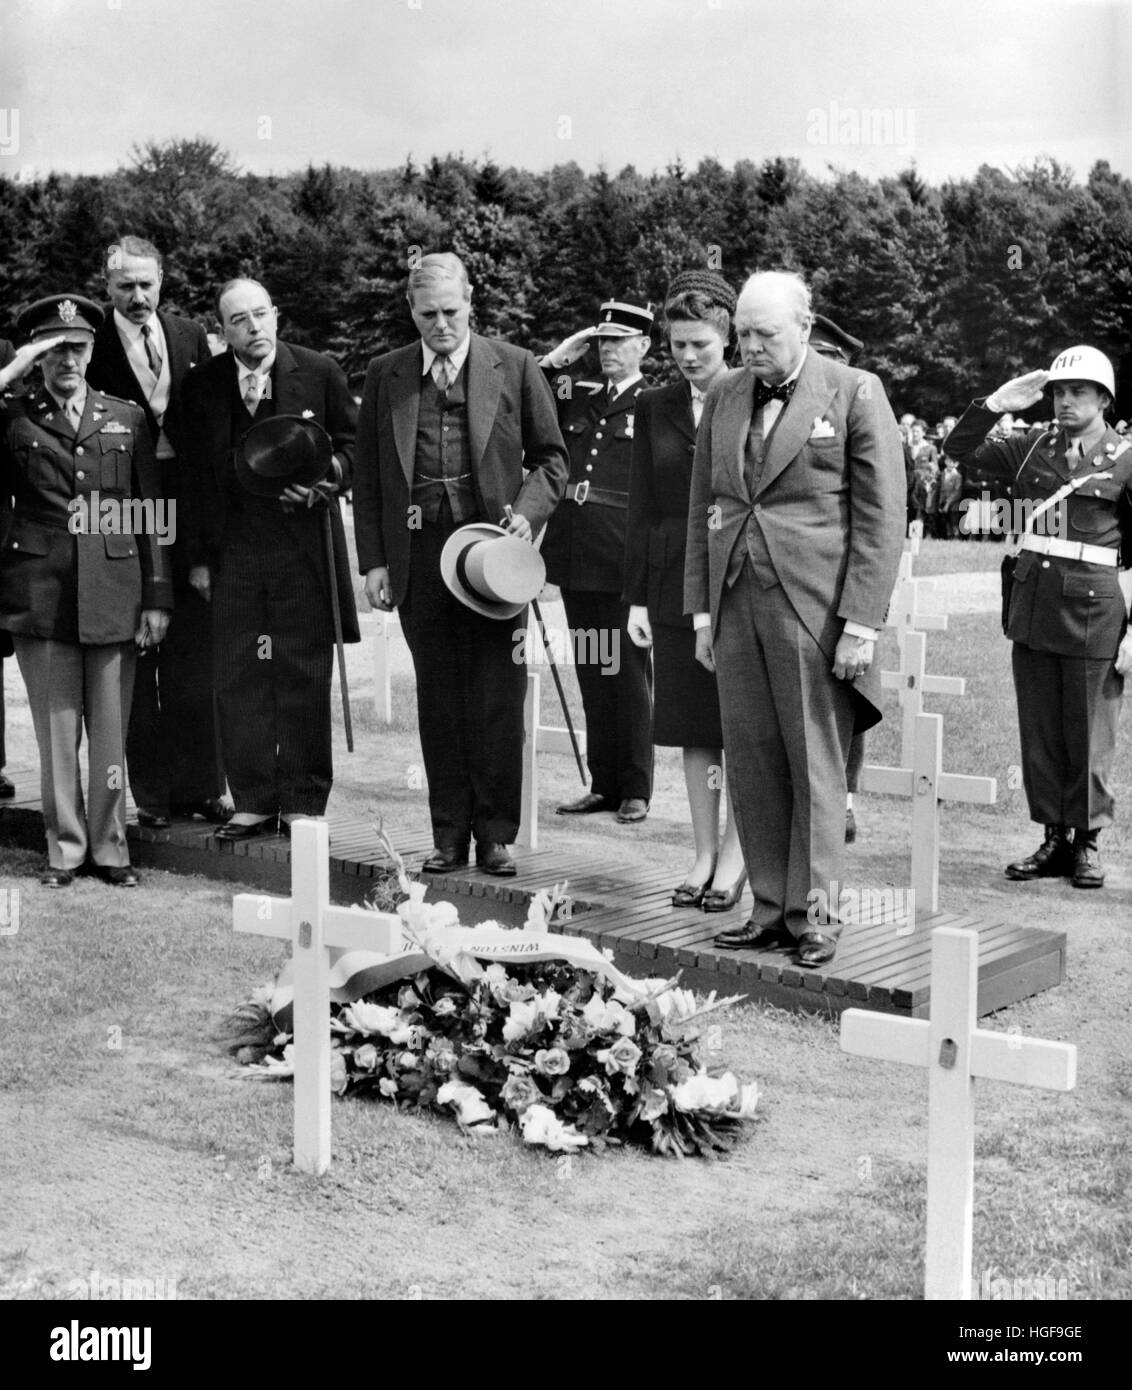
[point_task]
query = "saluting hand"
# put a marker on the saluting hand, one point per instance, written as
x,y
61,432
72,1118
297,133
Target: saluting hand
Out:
x,y
1019,393
25,358
570,349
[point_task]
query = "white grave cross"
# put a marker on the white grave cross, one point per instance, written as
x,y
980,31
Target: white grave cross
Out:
x,y
312,925
955,1051
911,685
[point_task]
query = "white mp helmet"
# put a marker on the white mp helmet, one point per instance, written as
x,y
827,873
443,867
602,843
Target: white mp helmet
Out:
x,y
1084,364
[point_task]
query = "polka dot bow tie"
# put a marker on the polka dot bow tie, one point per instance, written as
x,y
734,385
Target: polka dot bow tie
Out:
x,y
765,392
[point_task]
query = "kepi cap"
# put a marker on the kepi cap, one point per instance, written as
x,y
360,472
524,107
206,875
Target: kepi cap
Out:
x,y
60,315
283,451
831,341
491,571
617,318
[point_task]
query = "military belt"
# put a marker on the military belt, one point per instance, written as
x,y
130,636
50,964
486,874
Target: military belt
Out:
x,y
600,496
1071,550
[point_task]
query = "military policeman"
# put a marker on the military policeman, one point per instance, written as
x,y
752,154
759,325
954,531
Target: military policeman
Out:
x,y
584,552
84,582
1067,607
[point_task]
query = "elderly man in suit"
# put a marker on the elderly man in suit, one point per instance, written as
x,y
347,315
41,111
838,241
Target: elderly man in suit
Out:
x,y
144,354
263,563
454,429
794,540
84,580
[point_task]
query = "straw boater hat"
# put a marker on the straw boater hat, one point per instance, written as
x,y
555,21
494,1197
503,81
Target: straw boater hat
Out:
x,y
490,571
283,451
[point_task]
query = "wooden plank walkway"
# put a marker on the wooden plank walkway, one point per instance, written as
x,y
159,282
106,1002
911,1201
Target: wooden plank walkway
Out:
x,y
626,910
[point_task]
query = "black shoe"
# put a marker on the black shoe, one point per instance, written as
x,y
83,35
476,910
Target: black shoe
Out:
x,y
211,810
815,949
117,875
7,787
236,830
751,937
152,820
1088,872
724,899
56,878
1053,858
494,859
633,808
446,859
850,825
586,805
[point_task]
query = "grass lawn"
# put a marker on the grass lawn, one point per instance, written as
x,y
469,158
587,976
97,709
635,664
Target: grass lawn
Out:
x,y
134,1147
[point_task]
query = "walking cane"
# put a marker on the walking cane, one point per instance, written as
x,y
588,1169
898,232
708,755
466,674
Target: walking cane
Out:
x,y
508,512
328,536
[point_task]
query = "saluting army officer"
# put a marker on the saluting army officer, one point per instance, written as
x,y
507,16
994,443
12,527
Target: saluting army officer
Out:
x,y
1067,611
79,591
584,552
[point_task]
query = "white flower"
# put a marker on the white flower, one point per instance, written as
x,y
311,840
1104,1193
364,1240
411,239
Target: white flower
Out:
x,y
704,1092
496,974
366,1057
540,1125
520,1020
748,1100
471,1107
387,1086
373,1018
610,1017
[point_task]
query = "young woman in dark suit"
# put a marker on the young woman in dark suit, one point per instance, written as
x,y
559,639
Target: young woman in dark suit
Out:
x,y
697,311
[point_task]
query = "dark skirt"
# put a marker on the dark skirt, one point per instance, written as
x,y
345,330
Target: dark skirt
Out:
x,y
686,701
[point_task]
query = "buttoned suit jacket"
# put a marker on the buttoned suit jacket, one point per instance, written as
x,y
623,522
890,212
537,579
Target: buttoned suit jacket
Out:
x,y
584,547
660,483
301,381
1069,607
517,454
829,504
86,586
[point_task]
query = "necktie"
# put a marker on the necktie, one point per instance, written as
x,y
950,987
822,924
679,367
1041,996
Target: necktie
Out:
x,y
765,392
74,414
442,372
152,353
1073,455
251,393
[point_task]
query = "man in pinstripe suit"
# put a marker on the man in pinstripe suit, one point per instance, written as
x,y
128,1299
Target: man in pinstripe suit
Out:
x,y
263,562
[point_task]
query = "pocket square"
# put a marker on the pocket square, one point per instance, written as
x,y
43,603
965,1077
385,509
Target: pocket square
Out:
x,y
822,429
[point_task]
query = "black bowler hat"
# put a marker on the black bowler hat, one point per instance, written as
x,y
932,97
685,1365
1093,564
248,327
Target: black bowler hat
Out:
x,y
283,451
619,319
60,315
831,341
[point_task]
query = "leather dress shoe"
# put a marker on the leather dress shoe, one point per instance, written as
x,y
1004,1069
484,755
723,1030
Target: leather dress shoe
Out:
x,y
211,810
586,805
688,894
445,858
240,830
632,809
1088,871
56,878
815,949
1053,858
152,820
724,899
495,859
7,787
116,875
751,937
850,826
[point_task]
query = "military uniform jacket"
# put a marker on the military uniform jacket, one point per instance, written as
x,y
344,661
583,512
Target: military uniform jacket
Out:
x,y
585,544
1069,607
87,587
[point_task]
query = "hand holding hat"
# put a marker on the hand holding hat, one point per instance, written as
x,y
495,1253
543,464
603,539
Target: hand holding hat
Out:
x,y
284,456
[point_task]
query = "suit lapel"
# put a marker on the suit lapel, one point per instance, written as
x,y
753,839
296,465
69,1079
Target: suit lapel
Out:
x,y
811,397
485,383
733,415
404,403
678,410
287,382
175,346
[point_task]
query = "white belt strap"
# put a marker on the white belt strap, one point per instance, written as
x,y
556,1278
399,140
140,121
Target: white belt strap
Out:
x,y
1071,550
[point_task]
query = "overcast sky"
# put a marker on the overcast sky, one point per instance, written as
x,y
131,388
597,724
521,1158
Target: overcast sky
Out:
x,y
280,83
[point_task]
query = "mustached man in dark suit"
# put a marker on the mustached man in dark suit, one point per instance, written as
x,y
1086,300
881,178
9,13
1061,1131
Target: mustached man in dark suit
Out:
x,y
455,429
143,354
263,563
